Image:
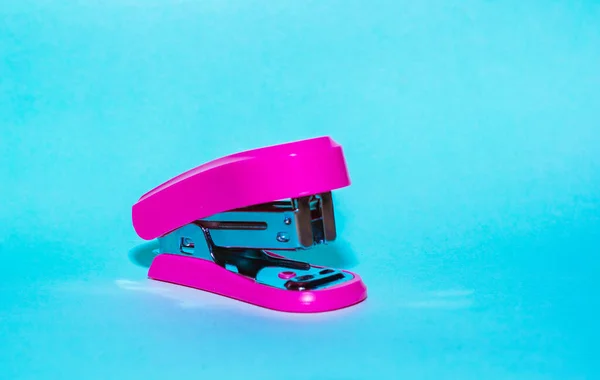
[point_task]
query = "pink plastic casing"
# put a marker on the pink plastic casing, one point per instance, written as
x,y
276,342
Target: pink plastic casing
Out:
x,y
243,179
208,276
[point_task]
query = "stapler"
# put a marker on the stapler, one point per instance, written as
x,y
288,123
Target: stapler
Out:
x,y
224,227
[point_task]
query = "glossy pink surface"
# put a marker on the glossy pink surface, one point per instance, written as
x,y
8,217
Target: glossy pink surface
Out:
x,y
208,276
256,176
286,275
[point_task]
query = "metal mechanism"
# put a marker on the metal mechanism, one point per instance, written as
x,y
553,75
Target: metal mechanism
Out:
x,y
238,240
294,224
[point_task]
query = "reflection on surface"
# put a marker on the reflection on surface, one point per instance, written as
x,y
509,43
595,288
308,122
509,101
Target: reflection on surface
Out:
x,y
189,298
144,253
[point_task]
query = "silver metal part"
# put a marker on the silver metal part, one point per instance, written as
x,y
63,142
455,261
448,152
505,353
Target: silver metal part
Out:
x,y
270,276
303,221
283,237
190,240
328,217
239,239
283,225
251,229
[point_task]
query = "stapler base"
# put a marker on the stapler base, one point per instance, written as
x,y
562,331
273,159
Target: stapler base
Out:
x,y
208,276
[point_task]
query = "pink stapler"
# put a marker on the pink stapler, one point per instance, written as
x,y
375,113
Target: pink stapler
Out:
x,y
220,225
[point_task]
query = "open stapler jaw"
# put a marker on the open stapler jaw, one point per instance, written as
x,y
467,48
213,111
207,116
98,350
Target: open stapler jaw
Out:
x,y
220,225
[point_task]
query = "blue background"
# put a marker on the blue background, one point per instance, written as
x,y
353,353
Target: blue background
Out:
x,y
472,134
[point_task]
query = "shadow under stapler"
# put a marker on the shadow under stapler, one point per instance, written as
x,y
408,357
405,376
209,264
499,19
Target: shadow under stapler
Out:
x,y
336,255
143,254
